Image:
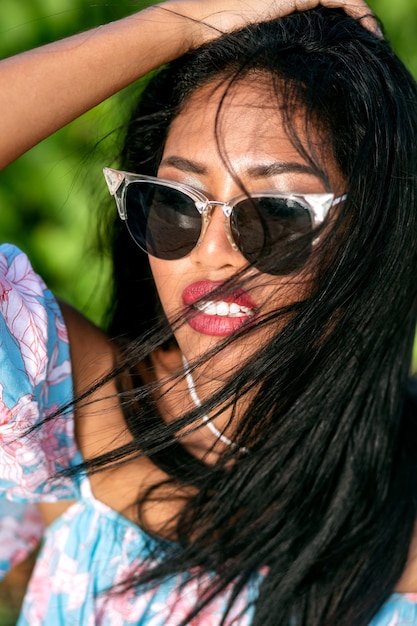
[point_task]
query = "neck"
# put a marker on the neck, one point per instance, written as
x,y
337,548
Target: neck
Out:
x,y
208,422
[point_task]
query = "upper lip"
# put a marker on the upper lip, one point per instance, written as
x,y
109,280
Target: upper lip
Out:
x,y
201,289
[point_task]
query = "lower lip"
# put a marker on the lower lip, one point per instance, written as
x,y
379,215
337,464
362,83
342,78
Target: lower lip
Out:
x,y
216,325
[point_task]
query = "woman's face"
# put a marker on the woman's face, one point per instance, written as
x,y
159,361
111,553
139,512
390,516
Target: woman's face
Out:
x,y
261,157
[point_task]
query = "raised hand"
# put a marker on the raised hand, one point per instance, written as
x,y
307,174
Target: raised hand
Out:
x,y
208,18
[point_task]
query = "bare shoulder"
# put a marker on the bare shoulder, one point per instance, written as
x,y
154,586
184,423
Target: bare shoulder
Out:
x,y
90,347
93,355
100,426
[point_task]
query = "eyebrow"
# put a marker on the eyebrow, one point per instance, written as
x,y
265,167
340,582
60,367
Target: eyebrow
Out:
x,y
256,171
280,167
185,165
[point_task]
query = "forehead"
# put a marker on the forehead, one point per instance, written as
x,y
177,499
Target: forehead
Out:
x,y
243,124
242,115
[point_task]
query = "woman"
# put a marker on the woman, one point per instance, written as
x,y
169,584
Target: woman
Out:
x,y
242,448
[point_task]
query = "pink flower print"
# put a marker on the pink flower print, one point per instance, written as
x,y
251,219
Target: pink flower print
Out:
x,y
119,609
239,613
130,537
19,537
411,597
60,535
57,455
66,580
11,545
24,315
39,590
25,415
127,606
61,330
5,413
58,373
29,460
23,457
172,610
4,289
24,467
180,603
55,375
47,583
14,452
5,286
20,273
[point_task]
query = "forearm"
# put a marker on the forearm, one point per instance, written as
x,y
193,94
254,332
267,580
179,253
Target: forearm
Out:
x,y
43,89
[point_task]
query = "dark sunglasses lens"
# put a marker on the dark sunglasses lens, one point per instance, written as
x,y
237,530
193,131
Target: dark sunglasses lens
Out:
x,y
164,222
274,234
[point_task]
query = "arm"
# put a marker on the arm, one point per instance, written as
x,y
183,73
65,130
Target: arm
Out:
x,y
43,89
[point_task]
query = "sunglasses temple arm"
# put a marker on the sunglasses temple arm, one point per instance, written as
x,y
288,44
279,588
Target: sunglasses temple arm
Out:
x,y
340,199
115,182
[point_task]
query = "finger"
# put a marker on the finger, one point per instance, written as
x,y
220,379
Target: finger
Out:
x,y
356,9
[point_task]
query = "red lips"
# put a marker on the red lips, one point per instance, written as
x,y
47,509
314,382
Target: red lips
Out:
x,y
215,325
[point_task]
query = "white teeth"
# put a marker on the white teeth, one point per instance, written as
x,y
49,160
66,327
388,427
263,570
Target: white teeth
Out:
x,y
223,309
234,308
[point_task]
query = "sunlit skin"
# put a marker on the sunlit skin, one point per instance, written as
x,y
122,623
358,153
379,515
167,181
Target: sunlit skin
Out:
x,y
261,156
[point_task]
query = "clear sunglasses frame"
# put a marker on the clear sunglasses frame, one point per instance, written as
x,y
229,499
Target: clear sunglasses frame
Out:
x,y
317,204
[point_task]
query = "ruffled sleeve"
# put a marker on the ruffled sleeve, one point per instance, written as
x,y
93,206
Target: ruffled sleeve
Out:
x,y
35,382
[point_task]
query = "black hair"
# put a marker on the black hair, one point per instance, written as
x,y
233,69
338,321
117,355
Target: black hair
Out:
x,y
326,498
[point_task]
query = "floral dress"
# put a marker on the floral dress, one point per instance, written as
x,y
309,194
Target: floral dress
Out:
x,y
90,548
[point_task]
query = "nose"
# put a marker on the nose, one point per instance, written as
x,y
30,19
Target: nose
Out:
x,y
215,247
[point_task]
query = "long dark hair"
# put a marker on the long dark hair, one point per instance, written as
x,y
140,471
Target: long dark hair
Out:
x,y
326,499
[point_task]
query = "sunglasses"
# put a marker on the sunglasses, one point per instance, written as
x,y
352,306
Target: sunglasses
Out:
x,y
274,231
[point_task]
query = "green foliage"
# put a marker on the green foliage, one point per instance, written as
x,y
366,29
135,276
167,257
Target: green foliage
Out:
x,y
400,26
8,617
49,195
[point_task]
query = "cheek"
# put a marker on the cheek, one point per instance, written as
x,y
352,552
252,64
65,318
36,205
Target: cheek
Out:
x,y
273,292
168,276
